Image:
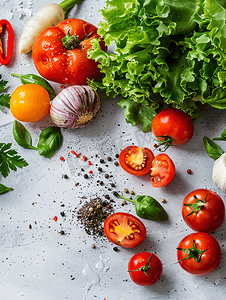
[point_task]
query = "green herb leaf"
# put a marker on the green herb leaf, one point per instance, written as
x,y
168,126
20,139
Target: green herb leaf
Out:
x,y
4,189
136,113
4,98
212,149
9,159
222,137
49,142
22,135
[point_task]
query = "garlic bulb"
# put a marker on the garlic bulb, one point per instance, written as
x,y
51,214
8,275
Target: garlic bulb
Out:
x,y
75,107
219,172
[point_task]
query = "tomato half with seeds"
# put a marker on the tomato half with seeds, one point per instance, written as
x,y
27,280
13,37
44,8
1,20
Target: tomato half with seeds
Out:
x,y
135,160
124,230
172,126
162,170
145,268
199,253
203,210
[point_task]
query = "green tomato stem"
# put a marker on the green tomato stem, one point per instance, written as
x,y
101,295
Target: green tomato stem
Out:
x,y
127,199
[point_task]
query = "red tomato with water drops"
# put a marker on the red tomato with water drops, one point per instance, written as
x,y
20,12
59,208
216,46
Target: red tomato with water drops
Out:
x,y
162,170
199,253
172,127
145,268
203,210
135,160
124,229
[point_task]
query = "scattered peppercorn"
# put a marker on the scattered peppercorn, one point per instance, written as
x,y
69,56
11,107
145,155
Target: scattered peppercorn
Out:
x,y
101,183
107,197
93,246
126,190
189,171
62,213
65,176
115,193
86,176
109,158
116,163
116,249
112,185
108,206
124,202
62,232
106,176
117,155
163,200
100,169
30,227
77,183
101,161
131,192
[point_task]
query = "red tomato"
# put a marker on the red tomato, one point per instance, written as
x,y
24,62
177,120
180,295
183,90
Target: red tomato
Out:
x,y
199,253
65,61
203,210
135,160
162,170
124,230
172,127
145,268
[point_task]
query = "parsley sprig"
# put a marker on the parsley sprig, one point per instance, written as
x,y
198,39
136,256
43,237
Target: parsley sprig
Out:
x,y
4,98
9,159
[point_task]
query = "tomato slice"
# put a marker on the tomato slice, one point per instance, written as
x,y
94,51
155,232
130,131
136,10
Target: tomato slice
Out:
x,y
162,171
135,160
124,229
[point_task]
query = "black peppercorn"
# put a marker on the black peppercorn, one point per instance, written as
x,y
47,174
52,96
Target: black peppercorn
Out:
x,y
109,158
106,176
86,176
101,161
100,169
116,249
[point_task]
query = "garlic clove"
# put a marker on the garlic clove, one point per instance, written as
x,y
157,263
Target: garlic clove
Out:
x,y
219,172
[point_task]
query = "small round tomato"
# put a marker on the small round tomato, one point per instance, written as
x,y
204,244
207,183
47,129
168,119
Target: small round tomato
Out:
x,y
203,210
30,103
199,253
124,229
135,160
145,268
162,170
172,127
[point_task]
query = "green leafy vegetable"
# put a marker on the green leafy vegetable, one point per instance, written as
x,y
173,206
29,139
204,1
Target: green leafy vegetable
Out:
x,y
212,149
4,189
167,52
49,142
22,135
4,98
148,208
9,159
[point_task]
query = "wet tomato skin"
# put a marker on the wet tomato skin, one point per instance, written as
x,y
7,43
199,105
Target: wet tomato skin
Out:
x,y
124,230
210,259
210,216
162,170
135,160
173,123
154,272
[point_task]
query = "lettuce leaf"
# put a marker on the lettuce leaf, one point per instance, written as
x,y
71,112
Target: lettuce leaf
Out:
x,y
166,52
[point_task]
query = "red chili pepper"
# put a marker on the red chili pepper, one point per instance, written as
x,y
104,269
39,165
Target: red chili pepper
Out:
x,y
73,152
62,158
84,157
55,218
5,25
90,172
89,162
77,155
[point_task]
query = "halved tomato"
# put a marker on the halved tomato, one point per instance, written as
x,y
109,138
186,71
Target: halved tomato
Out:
x,y
135,160
162,170
124,229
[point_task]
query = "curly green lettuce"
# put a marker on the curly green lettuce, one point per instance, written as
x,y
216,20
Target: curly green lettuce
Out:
x,y
167,52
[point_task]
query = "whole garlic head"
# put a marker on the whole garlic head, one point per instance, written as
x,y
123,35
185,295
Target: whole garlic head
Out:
x,y
75,107
219,172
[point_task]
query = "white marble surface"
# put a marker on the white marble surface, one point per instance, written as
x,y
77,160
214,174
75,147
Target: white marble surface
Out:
x,y
41,264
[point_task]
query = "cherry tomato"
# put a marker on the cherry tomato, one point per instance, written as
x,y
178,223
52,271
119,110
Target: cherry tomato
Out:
x,y
124,229
30,103
145,268
172,127
60,52
162,170
203,210
199,253
135,160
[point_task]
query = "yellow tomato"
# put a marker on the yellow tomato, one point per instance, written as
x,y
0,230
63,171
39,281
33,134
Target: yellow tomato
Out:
x,y
30,103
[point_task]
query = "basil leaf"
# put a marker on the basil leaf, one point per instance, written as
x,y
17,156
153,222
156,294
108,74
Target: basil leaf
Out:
x,y
49,142
4,189
212,149
222,137
22,135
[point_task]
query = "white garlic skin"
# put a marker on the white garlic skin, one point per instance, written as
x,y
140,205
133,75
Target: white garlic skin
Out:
x,y
75,107
219,172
